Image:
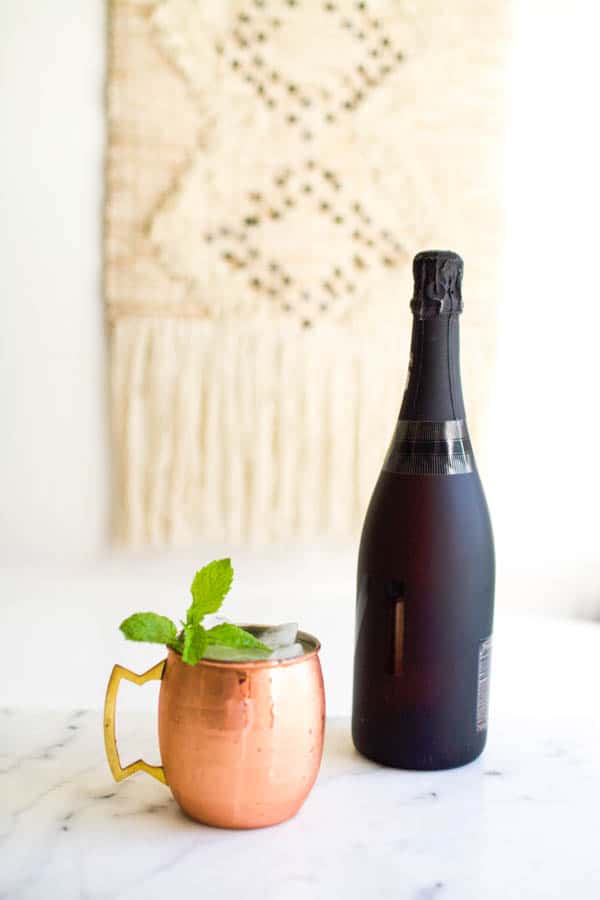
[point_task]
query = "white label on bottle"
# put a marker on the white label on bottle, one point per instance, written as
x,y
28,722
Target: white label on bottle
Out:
x,y
483,683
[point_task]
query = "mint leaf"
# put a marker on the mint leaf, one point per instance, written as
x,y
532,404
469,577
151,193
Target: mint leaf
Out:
x,y
149,627
227,635
194,644
209,588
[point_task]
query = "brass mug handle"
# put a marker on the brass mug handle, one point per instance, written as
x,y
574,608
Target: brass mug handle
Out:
x,y
110,740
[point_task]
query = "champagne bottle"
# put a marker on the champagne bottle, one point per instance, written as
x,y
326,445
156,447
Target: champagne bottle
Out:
x,y
425,587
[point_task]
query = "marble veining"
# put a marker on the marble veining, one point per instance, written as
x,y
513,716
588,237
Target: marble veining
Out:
x,y
521,822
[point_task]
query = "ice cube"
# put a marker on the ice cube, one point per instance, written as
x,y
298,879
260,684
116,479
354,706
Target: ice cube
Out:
x,y
277,636
288,652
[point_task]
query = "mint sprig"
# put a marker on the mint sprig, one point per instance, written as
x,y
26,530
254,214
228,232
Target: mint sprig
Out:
x,y
149,627
209,588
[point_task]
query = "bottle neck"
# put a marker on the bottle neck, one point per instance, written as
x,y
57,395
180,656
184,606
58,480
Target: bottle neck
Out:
x,y
433,391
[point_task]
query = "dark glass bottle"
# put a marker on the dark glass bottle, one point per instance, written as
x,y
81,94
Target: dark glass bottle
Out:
x,y
425,589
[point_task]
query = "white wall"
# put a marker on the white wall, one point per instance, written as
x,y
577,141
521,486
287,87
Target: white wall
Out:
x,y
541,475
53,473
543,478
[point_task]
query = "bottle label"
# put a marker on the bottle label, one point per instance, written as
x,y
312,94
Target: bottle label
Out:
x,y
483,683
430,448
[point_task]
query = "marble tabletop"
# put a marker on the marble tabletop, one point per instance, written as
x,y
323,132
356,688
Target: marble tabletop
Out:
x,y
522,822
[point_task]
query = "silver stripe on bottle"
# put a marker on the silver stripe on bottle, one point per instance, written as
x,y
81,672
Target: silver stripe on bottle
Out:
x,y
430,448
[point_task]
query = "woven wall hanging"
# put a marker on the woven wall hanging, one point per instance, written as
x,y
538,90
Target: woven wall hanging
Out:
x,y
273,166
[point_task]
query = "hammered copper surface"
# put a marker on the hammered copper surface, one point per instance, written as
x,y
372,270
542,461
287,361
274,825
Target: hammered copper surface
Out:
x,y
241,743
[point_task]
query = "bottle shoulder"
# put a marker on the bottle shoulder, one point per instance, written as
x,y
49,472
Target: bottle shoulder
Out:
x,y
440,523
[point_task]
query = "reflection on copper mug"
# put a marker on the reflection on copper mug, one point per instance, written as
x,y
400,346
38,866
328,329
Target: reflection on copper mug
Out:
x,y
240,742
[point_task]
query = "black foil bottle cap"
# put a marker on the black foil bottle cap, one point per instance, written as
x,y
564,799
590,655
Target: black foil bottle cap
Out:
x,y
438,280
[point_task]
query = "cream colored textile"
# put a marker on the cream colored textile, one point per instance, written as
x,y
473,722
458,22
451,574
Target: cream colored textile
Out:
x,y
273,166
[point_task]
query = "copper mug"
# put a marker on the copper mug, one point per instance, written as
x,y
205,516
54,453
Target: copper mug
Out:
x,y
240,742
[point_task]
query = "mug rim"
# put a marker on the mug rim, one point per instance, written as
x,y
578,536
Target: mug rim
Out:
x,y
303,636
